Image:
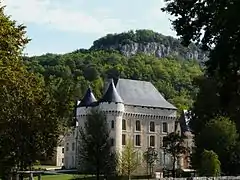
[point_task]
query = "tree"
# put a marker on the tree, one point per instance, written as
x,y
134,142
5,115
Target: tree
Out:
x,y
129,160
173,144
150,157
210,165
203,111
12,38
219,135
29,126
95,150
171,77
212,25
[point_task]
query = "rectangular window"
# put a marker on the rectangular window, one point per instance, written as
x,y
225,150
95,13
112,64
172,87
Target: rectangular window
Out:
x,y
123,139
152,126
112,124
62,160
138,126
62,150
165,128
67,147
73,146
152,141
112,142
138,140
124,124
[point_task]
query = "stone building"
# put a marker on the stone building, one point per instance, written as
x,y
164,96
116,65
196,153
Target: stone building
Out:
x,y
135,111
58,156
188,135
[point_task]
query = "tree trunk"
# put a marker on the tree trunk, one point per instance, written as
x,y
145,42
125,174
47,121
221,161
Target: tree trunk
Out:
x,y
173,168
129,175
98,174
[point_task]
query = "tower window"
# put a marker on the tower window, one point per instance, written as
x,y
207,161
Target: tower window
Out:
x,y
165,128
112,142
152,141
123,139
138,140
124,124
112,124
138,126
73,146
152,126
62,150
67,147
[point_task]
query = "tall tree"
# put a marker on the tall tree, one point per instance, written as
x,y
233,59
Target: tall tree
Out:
x,y
213,25
28,118
150,157
129,160
95,153
12,39
174,145
219,135
203,111
210,165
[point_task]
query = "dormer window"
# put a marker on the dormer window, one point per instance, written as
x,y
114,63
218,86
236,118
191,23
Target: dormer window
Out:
x,y
138,125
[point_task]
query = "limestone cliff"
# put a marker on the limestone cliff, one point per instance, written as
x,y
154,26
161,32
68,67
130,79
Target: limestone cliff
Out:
x,y
148,42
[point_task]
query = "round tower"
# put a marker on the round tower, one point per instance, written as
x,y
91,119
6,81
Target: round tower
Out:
x,y
112,104
85,106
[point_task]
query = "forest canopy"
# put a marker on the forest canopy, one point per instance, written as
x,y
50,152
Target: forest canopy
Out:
x,y
79,69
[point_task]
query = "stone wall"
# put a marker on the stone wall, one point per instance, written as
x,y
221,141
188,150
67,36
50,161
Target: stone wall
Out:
x,y
206,178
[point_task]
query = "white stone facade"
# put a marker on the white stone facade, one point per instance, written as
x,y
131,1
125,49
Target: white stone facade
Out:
x,y
145,126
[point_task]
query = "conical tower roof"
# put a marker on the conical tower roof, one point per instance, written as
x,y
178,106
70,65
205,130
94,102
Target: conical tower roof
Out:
x,y
111,95
88,99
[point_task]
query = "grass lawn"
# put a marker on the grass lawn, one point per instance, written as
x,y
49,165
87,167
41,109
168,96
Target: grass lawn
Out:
x,y
45,167
57,177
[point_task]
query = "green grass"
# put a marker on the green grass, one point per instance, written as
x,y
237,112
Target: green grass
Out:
x,y
44,167
57,177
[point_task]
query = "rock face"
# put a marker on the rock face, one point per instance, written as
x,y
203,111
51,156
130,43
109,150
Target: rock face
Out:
x,y
148,42
160,50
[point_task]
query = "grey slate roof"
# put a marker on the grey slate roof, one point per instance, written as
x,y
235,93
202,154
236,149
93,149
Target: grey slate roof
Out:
x,y
88,99
141,93
111,95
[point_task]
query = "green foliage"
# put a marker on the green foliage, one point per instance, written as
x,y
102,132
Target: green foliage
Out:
x,y
212,25
171,77
128,160
12,38
144,36
29,125
207,105
219,135
95,154
174,145
150,157
210,165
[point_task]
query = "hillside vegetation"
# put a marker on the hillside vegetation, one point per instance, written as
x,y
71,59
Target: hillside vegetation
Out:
x,y
148,42
70,74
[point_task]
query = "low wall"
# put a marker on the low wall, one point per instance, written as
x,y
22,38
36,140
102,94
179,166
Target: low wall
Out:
x,y
206,178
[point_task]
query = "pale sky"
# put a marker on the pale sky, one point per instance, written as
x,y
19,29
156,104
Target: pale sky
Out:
x,y
60,26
